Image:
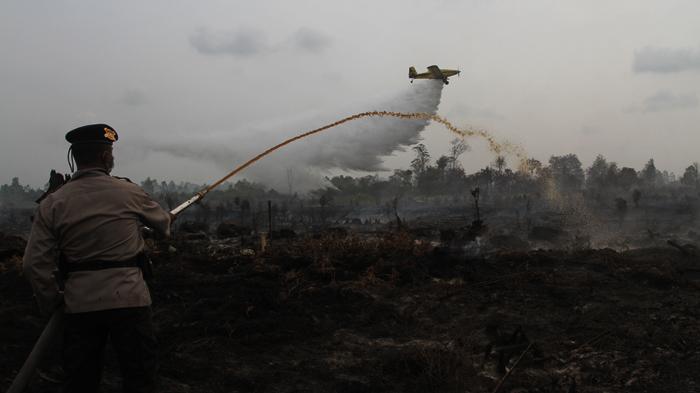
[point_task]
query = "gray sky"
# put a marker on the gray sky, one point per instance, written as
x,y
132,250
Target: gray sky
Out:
x,y
621,78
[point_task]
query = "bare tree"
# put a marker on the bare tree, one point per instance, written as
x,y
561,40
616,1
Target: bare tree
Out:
x,y
457,148
290,180
621,207
500,164
325,200
395,208
422,160
475,194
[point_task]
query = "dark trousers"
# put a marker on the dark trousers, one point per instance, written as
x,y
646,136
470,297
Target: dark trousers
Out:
x,y
130,331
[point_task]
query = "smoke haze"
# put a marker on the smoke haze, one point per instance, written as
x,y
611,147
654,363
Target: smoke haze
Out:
x,y
355,146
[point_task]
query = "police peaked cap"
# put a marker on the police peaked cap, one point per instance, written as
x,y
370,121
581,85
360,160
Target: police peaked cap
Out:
x,y
93,133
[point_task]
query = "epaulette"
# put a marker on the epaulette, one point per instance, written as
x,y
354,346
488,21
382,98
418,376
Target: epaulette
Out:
x,y
123,178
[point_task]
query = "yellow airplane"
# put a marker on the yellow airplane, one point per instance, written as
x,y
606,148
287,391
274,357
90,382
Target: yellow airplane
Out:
x,y
434,72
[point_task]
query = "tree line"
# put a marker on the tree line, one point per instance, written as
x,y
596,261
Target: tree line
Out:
x,y
441,179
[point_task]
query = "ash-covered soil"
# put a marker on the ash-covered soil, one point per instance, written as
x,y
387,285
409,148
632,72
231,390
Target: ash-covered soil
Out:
x,y
385,313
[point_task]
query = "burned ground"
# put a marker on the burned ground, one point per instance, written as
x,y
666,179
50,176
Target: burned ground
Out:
x,y
387,313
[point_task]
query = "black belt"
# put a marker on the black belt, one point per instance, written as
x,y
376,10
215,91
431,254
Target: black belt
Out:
x,y
102,265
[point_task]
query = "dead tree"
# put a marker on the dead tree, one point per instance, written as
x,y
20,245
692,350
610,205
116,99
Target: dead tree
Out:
x,y
475,195
621,206
395,206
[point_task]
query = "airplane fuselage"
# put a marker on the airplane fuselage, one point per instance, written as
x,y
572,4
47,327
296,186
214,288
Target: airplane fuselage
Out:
x,y
434,72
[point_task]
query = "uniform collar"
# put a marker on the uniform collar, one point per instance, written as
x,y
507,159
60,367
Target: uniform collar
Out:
x,y
89,172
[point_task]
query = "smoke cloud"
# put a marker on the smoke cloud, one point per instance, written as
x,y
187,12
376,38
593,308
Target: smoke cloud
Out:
x,y
252,42
666,60
133,97
241,43
361,144
665,100
309,40
358,145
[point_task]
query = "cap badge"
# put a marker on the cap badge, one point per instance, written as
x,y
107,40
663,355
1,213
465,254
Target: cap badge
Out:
x,y
110,134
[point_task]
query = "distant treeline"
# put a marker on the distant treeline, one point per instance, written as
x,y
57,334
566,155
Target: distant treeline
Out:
x,y
439,181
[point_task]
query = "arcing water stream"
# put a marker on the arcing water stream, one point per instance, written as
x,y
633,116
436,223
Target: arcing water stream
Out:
x,y
494,146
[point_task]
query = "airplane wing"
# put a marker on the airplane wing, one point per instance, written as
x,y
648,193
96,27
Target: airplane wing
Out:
x,y
450,72
423,75
435,72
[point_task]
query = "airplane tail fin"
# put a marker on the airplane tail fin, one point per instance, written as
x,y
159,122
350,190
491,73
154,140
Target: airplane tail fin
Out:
x,y
412,72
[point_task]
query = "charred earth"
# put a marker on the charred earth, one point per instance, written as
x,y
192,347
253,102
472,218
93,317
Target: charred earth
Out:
x,y
396,312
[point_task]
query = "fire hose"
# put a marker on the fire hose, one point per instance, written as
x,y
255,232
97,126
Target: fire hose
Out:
x,y
55,324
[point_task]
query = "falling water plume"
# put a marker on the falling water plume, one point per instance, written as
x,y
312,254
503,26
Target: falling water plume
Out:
x,y
360,145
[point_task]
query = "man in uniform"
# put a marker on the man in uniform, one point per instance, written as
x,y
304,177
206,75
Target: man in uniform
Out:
x,y
92,225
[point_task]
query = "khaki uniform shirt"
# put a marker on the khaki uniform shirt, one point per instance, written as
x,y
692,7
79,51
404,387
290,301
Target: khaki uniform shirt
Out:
x,y
92,217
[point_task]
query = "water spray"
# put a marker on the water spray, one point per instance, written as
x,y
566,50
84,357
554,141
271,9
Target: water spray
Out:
x,y
494,146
